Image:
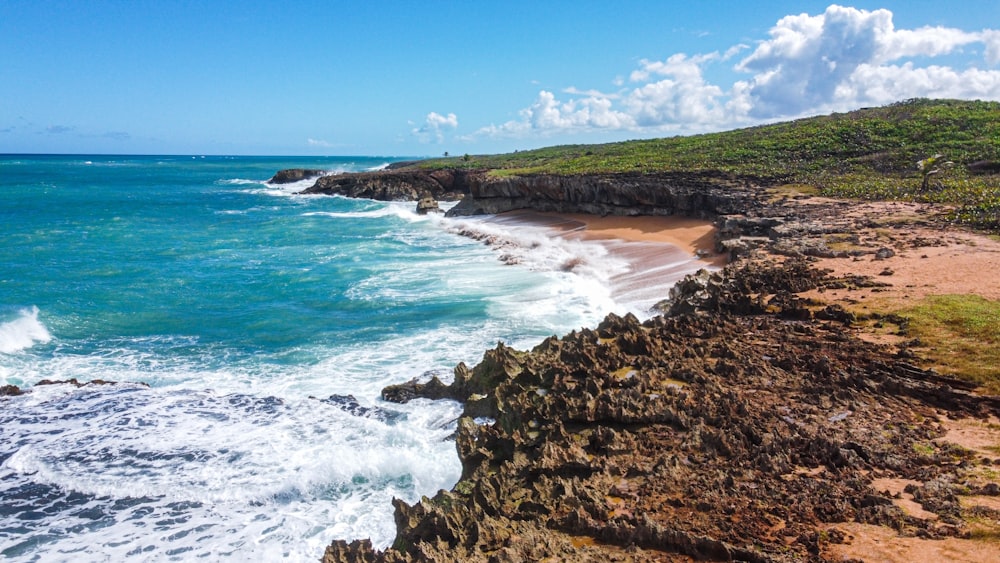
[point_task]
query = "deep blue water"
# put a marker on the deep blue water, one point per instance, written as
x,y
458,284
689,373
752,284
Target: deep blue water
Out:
x,y
230,311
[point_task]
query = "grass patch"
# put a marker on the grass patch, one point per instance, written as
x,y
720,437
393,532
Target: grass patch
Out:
x,y
961,334
843,242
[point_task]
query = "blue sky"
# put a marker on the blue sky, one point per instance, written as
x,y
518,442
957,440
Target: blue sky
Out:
x,y
421,78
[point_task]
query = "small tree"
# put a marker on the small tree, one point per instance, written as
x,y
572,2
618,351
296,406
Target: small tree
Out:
x,y
932,166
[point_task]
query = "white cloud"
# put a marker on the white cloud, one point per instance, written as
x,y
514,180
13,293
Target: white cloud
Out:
x,y
318,143
992,40
838,60
926,41
807,57
871,84
548,115
434,126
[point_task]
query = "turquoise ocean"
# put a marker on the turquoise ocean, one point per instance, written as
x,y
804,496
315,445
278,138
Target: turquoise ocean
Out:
x,y
250,331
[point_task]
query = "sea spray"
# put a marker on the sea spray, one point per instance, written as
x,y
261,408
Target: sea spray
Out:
x,y
23,332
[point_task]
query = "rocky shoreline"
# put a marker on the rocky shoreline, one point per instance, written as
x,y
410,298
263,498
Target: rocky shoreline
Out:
x,y
749,422
689,194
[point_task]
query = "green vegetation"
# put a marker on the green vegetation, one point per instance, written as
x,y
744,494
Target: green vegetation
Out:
x,y
871,153
961,334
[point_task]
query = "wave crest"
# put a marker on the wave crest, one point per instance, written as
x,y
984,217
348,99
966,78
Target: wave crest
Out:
x,y
23,332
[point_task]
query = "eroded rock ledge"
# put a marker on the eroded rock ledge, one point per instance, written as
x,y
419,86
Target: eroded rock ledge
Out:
x,y
741,429
691,194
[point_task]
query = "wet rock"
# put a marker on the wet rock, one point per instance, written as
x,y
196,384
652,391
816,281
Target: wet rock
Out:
x,y
427,204
10,391
291,175
350,404
74,382
413,389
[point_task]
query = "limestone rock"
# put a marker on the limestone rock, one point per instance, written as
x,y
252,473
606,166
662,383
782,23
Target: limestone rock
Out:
x,y
733,435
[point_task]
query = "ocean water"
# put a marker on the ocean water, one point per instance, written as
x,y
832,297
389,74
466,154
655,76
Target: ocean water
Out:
x,y
250,331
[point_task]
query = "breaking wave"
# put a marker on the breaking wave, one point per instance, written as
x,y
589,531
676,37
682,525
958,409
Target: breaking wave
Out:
x,y
23,332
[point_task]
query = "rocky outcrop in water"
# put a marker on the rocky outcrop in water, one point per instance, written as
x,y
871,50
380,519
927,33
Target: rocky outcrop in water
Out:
x,y
736,430
408,184
295,175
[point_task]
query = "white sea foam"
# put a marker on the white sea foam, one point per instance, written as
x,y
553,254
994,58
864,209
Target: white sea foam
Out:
x,y
240,182
226,477
23,332
405,212
538,248
293,188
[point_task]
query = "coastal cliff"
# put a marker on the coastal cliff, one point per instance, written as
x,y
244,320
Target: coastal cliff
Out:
x,y
407,184
689,194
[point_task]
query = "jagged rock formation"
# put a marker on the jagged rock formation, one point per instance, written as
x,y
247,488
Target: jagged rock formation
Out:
x,y
427,204
734,431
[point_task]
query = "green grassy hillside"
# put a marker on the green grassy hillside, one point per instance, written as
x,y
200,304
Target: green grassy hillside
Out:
x,y
871,153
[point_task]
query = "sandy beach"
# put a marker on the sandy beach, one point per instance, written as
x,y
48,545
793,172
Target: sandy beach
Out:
x,y
685,233
659,250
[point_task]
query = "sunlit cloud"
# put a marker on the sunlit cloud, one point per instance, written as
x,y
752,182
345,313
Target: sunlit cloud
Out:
x,y
434,126
838,60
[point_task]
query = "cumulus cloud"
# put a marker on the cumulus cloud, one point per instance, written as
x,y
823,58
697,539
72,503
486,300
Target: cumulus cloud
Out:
x,y
549,115
844,56
434,126
838,60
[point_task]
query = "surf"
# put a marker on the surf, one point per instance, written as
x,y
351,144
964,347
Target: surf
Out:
x,y
23,332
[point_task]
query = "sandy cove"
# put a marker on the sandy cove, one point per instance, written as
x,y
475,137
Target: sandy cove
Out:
x,y
659,250
687,233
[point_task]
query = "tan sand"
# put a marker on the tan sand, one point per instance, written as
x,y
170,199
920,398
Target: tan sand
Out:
x,y
686,233
867,542
927,260
658,250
